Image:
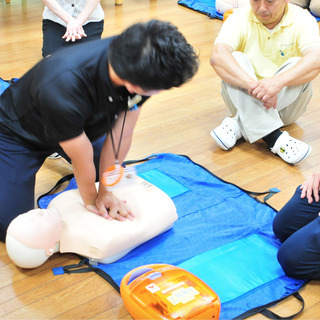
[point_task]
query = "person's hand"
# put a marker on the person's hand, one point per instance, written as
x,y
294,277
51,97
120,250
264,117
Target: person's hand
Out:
x,y
310,188
266,91
252,85
74,31
110,207
271,103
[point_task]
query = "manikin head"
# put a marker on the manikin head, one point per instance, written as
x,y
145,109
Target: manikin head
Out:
x,y
33,237
223,5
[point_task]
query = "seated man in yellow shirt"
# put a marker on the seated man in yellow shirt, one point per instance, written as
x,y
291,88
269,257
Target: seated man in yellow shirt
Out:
x,y
266,55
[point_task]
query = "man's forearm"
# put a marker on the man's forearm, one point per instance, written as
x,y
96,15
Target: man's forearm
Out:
x,y
228,69
307,68
85,178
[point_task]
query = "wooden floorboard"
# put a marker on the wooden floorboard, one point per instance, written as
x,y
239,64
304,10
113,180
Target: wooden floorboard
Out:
x,y
177,121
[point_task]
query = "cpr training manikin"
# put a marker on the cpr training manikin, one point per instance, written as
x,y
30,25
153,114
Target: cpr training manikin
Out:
x,y
66,226
223,5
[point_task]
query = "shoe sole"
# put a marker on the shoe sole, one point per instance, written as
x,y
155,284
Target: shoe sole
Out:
x,y
218,141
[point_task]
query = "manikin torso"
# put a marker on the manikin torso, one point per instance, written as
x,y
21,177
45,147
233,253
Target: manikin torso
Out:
x,y
66,226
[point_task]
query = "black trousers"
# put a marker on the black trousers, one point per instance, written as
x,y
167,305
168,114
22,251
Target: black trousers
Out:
x,y
297,225
53,33
19,164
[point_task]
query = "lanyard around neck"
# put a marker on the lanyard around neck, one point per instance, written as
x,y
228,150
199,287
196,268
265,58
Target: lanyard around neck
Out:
x,y
116,151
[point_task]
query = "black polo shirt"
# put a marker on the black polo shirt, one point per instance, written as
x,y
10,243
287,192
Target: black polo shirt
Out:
x,y
62,96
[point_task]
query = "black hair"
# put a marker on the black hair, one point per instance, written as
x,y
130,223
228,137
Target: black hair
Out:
x,y
153,55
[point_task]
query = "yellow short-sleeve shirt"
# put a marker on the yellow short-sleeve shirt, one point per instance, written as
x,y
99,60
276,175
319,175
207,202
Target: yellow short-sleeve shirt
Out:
x,y
269,49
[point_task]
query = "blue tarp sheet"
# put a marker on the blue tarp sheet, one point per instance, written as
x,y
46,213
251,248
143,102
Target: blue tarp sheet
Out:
x,y
223,235
207,7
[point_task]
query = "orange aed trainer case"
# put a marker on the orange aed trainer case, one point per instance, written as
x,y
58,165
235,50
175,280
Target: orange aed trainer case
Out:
x,y
162,291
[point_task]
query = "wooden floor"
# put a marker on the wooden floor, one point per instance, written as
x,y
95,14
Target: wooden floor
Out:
x,y
177,121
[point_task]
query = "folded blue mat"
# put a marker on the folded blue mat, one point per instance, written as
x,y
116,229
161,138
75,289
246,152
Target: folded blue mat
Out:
x,y
3,85
208,7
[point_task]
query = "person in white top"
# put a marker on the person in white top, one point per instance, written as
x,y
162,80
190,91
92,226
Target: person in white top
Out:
x,y
68,22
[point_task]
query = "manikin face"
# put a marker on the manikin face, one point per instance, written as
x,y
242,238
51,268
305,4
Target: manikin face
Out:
x,y
269,12
37,229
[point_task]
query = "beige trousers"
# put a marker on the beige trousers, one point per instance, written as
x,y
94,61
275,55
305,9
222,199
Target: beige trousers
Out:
x,y
255,121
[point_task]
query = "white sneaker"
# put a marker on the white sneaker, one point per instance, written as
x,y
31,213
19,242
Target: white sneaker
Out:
x,y
290,149
227,134
54,155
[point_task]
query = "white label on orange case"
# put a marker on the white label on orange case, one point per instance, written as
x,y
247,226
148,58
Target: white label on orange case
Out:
x,y
183,295
152,288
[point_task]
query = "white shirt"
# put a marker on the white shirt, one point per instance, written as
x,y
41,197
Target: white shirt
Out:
x,y
73,7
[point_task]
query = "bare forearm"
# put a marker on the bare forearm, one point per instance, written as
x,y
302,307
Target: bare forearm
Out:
x,y
85,177
87,10
228,69
80,151
57,10
304,71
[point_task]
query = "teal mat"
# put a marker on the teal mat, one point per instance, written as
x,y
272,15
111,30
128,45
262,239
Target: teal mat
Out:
x,y
242,265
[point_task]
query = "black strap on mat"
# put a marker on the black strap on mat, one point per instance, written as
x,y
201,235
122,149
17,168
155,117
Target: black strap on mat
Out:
x,y
268,194
84,266
270,314
60,182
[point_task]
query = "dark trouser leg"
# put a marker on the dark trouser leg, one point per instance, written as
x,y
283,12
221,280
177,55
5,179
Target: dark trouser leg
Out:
x,y
294,215
299,255
53,33
297,225
18,166
93,30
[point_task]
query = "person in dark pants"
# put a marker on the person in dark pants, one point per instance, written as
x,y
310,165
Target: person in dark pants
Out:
x,y
84,102
297,225
68,22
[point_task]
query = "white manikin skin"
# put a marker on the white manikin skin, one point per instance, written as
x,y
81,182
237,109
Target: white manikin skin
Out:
x,y
223,5
33,237
66,226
